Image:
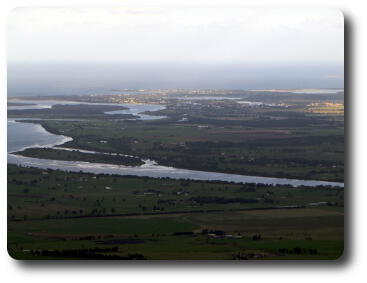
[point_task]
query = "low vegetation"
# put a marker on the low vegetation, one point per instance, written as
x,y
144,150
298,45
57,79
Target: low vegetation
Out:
x,y
75,155
55,214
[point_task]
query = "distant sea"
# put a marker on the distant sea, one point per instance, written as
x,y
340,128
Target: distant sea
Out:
x,y
30,79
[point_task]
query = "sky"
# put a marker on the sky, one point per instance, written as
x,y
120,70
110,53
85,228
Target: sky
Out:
x,y
184,34
198,38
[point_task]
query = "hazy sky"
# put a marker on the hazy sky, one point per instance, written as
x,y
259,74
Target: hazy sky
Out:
x,y
84,50
176,34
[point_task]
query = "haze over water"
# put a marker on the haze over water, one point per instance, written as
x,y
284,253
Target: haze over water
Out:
x,y
101,78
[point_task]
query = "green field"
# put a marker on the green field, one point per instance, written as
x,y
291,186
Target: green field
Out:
x,y
77,217
35,193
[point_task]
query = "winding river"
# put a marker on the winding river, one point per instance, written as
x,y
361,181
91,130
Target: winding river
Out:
x,y
26,135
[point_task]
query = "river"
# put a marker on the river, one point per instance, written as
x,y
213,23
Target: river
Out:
x,y
26,135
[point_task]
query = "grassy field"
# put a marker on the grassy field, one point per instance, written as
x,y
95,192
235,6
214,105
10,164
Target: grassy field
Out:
x,y
34,193
284,236
54,214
